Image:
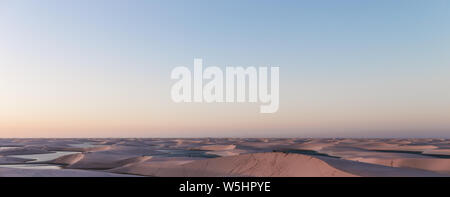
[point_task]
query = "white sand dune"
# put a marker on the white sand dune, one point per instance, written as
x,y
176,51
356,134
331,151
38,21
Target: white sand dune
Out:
x,y
215,147
68,159
373,170
157,162
98,160
262,146
224,153
413,148
438,152
310,146
431,164
236,156
258,164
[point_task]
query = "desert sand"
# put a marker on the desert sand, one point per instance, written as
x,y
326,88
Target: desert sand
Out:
x,y
210,157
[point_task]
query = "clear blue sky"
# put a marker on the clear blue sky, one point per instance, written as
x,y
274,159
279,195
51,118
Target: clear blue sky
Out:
x,y
348,68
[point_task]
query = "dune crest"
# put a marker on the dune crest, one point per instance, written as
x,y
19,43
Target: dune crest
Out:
x,y
69,159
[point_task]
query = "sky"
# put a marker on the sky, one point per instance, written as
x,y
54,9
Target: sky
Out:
x,y
350,68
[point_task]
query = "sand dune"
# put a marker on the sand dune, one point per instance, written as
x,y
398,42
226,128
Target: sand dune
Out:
x,y
215,147
373,170
98,160
230,157
258,164
224,153
438,152
68,159
431,164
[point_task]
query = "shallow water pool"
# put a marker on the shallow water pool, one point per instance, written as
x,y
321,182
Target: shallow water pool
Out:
x,y
44,157
31,166
37,159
